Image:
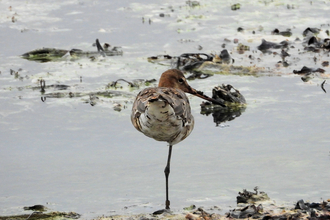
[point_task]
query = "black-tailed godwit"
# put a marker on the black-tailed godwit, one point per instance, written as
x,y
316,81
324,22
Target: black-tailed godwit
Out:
x,y
163,113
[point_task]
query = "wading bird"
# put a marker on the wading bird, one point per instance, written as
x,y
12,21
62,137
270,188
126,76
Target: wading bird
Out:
x,y
163,113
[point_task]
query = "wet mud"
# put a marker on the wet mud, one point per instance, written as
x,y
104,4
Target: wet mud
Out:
x,y
250,205
43,216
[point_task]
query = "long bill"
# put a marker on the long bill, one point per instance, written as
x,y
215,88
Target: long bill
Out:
x,y
201,95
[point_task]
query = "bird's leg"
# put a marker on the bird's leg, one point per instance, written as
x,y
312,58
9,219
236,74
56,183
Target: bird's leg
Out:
x,y
167,173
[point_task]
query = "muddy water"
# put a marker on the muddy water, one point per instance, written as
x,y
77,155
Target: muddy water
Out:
x,y
68,155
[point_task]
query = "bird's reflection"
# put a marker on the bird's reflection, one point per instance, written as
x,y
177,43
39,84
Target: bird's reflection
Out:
x,y
221,115
235,104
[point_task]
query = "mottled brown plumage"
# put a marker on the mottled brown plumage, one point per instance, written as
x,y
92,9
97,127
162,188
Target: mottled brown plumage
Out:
x,y
163,113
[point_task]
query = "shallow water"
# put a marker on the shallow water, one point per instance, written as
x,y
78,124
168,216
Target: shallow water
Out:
x,y
71,156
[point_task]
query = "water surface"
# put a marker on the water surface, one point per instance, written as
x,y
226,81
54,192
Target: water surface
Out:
x,y
68,155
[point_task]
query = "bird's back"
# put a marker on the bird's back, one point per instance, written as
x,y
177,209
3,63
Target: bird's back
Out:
x,y
163,114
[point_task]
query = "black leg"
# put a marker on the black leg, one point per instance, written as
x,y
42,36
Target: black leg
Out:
x,y
167,173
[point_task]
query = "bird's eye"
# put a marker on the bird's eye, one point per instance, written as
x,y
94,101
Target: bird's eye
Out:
x,y
180,80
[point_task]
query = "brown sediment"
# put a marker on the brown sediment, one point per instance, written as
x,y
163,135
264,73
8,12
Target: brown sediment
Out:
x,y
43,216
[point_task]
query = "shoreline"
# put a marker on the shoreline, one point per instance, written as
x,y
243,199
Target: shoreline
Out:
x,y
255,205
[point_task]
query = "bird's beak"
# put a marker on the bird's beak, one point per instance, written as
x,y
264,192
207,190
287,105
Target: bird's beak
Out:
x,y
201,95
